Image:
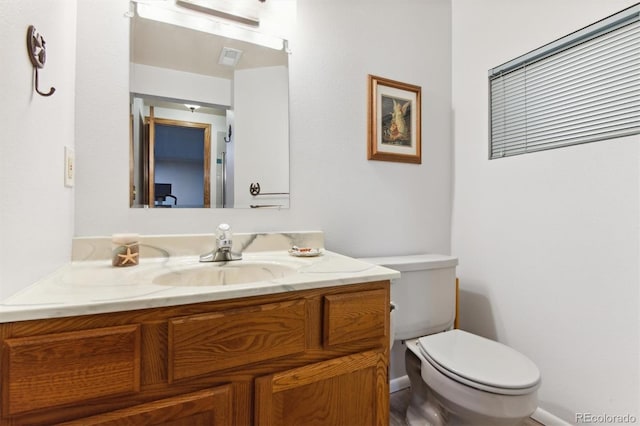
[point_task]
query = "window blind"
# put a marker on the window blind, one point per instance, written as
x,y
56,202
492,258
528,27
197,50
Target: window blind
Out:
x,y
582,88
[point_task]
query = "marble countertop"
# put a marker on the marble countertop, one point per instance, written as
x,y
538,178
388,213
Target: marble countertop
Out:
x,y
89,284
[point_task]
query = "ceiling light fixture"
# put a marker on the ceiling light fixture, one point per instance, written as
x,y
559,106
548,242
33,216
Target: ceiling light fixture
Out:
x,y
226,10
171,14
192,107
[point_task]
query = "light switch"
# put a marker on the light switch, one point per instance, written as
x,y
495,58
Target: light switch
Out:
x,y
69,167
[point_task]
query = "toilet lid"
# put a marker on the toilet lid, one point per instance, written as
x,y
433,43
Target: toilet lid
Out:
x,y
481,363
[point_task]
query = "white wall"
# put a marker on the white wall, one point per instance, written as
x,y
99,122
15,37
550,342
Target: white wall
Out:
x,y
167,83
36,209
365,207
548,242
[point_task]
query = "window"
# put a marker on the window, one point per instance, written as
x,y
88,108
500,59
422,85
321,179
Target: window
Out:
x,y
581,88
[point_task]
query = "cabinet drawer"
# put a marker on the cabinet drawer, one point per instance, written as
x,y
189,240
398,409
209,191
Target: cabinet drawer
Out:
x,y
64,368
355,316
209,407
200,344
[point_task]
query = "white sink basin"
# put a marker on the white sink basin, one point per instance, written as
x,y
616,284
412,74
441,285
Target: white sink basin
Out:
x,y
224,273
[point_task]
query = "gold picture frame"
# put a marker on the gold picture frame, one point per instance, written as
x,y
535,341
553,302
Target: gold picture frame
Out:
x,y
394,121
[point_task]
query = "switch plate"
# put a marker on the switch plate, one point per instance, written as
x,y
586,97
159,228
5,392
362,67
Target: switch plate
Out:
x,y
69,167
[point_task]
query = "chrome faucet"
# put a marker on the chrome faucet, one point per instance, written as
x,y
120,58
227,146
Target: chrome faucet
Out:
x,y
222,252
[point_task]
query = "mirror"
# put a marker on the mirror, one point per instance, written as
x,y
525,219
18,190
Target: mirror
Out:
x,y
209,116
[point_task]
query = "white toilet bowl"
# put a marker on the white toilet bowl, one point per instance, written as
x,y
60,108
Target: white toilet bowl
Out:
x,y
458,378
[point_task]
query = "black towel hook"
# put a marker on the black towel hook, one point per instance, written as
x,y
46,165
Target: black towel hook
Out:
x,y
38,55
227,138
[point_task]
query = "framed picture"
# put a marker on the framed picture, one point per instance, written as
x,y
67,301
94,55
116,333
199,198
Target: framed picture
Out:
x,y
394,121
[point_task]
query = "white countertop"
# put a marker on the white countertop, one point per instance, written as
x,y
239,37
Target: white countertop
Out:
x,y
93,286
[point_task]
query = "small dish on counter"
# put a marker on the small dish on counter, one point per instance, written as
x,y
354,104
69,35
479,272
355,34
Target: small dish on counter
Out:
x,y
304,251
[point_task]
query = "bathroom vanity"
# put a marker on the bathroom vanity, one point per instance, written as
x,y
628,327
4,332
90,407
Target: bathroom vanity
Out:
x,y
309,347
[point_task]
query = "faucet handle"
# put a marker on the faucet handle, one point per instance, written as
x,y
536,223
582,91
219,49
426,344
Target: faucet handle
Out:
x,y
223,232
222,252
223,235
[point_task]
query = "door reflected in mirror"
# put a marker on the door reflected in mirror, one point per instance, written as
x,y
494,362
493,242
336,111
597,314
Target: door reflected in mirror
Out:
x,y
180,163
172,155
209,120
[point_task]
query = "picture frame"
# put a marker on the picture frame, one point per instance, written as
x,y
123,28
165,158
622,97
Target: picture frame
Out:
x,y
394,121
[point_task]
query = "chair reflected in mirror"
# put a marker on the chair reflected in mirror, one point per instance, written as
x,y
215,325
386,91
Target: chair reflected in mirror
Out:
x,y
162,192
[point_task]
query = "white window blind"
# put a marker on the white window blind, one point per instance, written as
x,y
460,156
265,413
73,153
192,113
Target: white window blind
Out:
x,y
582,88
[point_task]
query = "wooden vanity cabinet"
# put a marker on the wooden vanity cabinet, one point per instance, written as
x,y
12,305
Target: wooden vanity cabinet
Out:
x,y
316,356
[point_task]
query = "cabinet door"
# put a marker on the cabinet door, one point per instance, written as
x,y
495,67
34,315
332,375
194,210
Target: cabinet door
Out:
x,y
350,390
209,407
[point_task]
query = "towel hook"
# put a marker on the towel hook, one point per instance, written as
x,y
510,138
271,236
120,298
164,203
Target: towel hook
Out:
x,y
37,55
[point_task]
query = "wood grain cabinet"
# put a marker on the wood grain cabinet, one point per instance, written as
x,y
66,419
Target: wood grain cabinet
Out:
x,y
209,407
349,390
316,356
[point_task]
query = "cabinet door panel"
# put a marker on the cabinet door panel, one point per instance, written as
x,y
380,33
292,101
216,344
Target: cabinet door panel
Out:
x,y
201,344
355,316
351,390
64,368
210,407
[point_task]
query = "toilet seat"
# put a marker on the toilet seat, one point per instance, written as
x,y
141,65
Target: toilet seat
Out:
x,y
480,363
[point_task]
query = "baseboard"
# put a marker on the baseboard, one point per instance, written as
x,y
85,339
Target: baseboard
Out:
x,y
398,383
548,419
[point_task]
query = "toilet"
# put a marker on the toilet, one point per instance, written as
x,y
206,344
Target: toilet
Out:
x,y
456,378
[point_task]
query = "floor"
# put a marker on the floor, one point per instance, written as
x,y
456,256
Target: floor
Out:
x,y
399,401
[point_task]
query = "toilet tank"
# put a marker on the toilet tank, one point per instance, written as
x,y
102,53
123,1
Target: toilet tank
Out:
x,y
424,295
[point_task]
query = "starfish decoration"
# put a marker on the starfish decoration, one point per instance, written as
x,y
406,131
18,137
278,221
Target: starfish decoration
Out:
x,y
129,257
